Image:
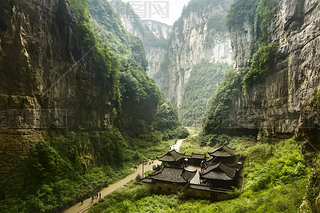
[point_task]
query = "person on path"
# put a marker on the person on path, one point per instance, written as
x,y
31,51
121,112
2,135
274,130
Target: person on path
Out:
x,y
202,165
92,198
100,195
81,201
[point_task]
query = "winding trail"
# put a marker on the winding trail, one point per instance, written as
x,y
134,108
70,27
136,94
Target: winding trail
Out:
x,y
177,145
78,208
87,204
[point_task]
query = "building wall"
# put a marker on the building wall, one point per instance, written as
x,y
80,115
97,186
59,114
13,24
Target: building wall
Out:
x,y
165,188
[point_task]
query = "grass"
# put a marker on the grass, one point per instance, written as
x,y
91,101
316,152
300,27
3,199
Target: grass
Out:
x,y
156,151
52,186
191,145
276,179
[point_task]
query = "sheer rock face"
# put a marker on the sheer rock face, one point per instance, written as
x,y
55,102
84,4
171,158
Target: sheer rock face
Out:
x,y
156,53
159,30
278,98
38,56
179,48
40,85
287,93
308,137
192,41
153,34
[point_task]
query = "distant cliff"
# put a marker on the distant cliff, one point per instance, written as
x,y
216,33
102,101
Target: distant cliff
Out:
x,y
199,34
153,34
273,89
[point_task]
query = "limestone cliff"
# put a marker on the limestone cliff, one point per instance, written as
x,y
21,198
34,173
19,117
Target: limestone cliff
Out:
x,y
277,98
199,34
159,30
153,34
274,99
56,73
172,52
41,84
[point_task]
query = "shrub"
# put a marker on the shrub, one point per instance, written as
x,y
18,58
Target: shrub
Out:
x,y
241,11
204,80
218,116
138,178
262,62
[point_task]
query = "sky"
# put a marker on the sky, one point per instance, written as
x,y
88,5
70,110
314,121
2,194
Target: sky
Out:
x,y
165,11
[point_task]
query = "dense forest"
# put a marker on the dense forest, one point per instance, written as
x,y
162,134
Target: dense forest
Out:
x,y
204,80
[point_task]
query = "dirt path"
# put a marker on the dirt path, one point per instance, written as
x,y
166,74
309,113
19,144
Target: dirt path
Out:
x,y
177,145
77,208
196,132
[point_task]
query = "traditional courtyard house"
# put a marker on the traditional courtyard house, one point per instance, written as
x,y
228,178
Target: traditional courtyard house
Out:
x,y
169,180
173,159
220,176
224,155
213,178
196,159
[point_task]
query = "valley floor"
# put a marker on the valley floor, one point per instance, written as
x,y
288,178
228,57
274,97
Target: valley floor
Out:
x,y
275,181
141,169
110,189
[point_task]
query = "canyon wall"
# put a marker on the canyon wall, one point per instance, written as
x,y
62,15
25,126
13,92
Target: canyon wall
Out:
x,y
62,70
273,91
42,85
199,34
274,100
153,34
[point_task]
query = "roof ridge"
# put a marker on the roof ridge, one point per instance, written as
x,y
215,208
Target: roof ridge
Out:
x,y
225,171
183,169
228,147
214,167
172,154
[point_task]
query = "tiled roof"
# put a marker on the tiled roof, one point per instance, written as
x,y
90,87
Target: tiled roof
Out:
x,y
219,172
208,188
188,175
172,156
174,175
222,151
198,156
231,162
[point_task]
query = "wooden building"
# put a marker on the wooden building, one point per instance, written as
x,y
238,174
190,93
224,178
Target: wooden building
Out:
x,y
196,159
212,180
203,191
173,159
169,180
220,176
224,155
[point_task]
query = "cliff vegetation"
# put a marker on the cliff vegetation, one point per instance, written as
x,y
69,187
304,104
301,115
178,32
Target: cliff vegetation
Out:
x,y
205,78
220,117
69,164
